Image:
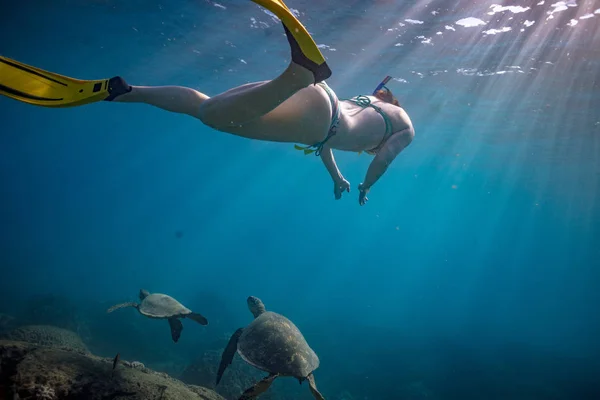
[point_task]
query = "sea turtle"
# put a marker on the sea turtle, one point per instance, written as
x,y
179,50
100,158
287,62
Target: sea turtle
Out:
x,y
162,306
271,343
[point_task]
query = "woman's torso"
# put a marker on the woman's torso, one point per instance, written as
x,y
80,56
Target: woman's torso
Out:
x,y
363,128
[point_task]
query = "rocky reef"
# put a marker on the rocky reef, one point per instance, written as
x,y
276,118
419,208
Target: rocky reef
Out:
x,y
49,336
7,323
56,310
30,371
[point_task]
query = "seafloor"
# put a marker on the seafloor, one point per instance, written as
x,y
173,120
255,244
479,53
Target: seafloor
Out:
x,y
45,353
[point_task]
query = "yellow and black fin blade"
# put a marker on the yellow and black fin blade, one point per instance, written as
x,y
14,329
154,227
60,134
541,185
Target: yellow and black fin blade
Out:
x,y
304,49
36,86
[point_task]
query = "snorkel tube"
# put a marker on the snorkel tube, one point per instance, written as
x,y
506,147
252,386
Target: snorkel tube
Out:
x,y
382,85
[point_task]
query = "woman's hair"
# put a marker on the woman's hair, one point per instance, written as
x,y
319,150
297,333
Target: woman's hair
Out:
x,y
387,96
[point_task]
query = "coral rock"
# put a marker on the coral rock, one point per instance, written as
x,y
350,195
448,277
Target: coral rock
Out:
x,y
33,372
49,336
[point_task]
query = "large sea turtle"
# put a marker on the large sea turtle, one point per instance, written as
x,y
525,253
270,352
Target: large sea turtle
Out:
x,y
162,306
271,343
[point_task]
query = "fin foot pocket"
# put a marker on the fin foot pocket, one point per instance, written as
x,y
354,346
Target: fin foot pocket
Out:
x,y
305,51
116,87
319,71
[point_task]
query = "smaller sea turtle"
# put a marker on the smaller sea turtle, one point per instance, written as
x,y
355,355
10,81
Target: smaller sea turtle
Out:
x,y
161,306
271,343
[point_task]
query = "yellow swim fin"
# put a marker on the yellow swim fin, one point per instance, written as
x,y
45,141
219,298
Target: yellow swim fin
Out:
x,y
42,88
304,49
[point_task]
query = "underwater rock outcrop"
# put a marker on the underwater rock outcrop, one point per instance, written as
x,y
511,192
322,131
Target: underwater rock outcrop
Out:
x,y
7,323
49,336
51,309
34,372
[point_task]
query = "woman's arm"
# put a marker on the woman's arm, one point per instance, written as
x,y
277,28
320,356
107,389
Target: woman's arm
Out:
x,y
392,147
339,183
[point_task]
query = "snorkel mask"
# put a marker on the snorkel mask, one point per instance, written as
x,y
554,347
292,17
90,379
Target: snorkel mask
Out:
x,y
382,85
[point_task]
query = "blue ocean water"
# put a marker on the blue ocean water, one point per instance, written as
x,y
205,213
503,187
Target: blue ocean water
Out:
x,y
473,270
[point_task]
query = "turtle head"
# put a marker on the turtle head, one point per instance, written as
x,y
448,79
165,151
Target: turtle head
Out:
x,y
256,306
144,293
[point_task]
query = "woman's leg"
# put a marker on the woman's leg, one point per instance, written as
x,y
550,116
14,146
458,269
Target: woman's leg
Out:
x,y
249,102
176,99
233,107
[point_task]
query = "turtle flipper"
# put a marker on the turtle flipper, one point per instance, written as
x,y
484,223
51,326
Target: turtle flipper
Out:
x,y
228,353
313,387
259,388
199,318
122,305
176,328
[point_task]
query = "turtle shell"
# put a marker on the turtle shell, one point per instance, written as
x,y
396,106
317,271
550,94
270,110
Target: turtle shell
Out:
x,y
159,305
274,344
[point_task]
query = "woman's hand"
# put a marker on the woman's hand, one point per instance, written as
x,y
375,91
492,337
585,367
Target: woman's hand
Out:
x,y
362,194
339,187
